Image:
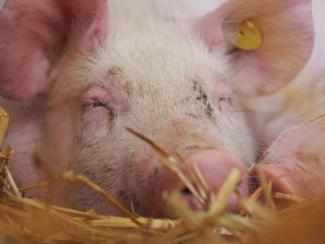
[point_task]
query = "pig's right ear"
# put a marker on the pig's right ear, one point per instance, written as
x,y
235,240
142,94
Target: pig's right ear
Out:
x,y
268,41
34,34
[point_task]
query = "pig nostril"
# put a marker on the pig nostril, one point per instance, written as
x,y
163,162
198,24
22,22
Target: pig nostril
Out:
x,y
186,192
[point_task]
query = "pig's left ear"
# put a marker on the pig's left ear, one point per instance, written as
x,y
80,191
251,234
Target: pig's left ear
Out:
x,y
268,41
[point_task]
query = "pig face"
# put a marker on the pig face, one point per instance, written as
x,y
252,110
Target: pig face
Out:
x,y
92,77
178,99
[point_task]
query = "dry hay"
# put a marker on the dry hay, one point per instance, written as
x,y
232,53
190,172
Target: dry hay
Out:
x,y
25,220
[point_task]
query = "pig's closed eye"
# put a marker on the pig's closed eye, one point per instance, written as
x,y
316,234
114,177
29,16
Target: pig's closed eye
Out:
x,y
96,104
97,110
95,97
97,116
95,107
224,102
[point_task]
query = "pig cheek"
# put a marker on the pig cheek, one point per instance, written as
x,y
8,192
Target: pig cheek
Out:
x,y
96,122
141,182
60,136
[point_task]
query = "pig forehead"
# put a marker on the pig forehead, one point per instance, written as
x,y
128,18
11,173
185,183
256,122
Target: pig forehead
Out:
x,y
163,59
154,52
154,55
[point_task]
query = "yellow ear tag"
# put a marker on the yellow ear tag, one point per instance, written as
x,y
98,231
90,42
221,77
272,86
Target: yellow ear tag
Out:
x,y
248,37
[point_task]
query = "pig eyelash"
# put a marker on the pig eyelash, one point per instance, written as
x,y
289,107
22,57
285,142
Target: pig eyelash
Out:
x,y
97,104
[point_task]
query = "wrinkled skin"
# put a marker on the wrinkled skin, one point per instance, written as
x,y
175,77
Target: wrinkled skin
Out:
x,y
95,70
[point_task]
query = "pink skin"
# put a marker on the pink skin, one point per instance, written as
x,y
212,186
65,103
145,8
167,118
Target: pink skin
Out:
x,y
96,79
43,33
264,75
209,162
295,159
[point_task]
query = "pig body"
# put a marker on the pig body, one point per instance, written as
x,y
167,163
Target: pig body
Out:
x,y
81,72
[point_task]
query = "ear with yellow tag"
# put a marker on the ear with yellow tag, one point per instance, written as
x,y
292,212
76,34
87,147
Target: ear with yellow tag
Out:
x,y
4,120
267,42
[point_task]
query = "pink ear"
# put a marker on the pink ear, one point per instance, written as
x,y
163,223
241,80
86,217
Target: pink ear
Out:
x,y
35,33
287,41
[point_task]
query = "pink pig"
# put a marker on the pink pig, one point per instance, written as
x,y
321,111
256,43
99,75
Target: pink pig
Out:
x,y
74,74
292,122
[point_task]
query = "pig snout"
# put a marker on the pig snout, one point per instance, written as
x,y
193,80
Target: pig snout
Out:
x,y
294,163
293,177
214,167
283,179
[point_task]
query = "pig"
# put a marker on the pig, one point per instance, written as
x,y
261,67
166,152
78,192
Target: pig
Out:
x,y
75,74
292,128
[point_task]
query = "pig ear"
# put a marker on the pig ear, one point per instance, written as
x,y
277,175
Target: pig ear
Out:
x,y
276,41
34,34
